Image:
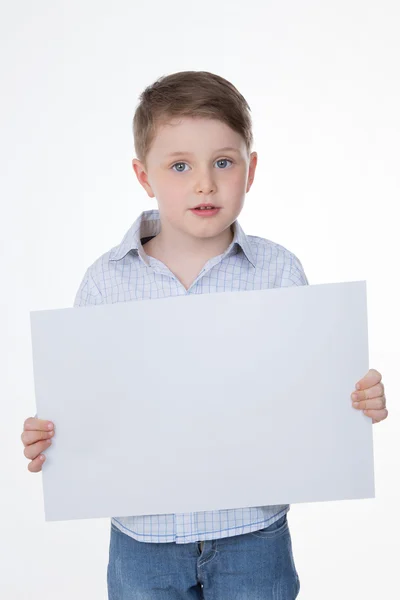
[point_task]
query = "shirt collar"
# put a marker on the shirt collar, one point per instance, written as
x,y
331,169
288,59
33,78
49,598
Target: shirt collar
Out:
x,y
148,224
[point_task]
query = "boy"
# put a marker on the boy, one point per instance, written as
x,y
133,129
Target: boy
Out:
x,y
193,139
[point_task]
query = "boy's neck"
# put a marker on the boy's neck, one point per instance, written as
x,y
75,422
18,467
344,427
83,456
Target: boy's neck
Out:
x,y
167,246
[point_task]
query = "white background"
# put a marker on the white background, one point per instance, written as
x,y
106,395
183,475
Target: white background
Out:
x,y
322,80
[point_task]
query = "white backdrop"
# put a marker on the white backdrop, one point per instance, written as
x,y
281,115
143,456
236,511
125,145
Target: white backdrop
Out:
x,y
322,80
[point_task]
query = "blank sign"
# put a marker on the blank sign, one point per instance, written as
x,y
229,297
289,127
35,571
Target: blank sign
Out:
x,y
204,402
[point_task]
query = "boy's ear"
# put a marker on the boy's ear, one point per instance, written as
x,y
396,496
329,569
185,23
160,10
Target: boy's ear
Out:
x,y
141,175
252,170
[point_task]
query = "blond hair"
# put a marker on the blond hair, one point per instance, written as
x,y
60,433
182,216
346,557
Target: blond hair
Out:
x,y
189,94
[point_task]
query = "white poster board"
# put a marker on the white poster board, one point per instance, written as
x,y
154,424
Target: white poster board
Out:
x,y
204,402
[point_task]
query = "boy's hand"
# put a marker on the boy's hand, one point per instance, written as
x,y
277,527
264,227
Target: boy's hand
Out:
x,y
370,396
36,438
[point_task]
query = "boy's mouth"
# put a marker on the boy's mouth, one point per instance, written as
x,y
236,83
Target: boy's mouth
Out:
x,y
205,207
205,210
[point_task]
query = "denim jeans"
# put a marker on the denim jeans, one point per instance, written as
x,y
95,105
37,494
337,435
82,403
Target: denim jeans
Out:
x,y
253,566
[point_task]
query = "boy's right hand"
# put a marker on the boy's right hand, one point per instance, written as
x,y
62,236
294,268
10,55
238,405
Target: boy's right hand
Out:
x,y
36,438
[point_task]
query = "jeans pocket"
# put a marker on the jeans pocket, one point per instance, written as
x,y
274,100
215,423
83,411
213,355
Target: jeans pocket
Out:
x,y
277,528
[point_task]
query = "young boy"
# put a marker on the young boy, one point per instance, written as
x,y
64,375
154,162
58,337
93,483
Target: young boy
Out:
x,y
193,139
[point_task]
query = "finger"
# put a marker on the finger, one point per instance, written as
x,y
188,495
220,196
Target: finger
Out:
x,y
34,450
377,415
36,465
371,378
30,437
33,424
376,391
374,404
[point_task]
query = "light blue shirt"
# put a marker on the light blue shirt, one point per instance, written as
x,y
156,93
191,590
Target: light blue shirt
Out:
x,y
126,273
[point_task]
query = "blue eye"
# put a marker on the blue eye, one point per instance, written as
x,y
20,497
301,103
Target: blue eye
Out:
x,y
183,163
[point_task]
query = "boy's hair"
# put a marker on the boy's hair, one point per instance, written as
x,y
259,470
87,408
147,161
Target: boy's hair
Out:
x,y
189,94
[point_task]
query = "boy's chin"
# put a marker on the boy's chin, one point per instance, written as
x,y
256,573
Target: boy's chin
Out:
x,y
210,231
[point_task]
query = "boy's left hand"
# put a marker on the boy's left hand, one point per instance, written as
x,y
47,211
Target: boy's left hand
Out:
x,y
370,396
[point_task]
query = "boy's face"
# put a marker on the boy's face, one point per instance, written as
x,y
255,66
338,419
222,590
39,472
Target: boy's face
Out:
x,y
199,173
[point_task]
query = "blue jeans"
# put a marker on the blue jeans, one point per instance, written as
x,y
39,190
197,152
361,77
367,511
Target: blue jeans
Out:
x,y
253,566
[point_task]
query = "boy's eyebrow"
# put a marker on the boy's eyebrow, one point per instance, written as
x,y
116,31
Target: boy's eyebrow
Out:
x,y
231,148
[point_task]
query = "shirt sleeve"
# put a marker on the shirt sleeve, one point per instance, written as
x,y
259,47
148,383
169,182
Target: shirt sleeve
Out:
x,y
88,293
298,275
